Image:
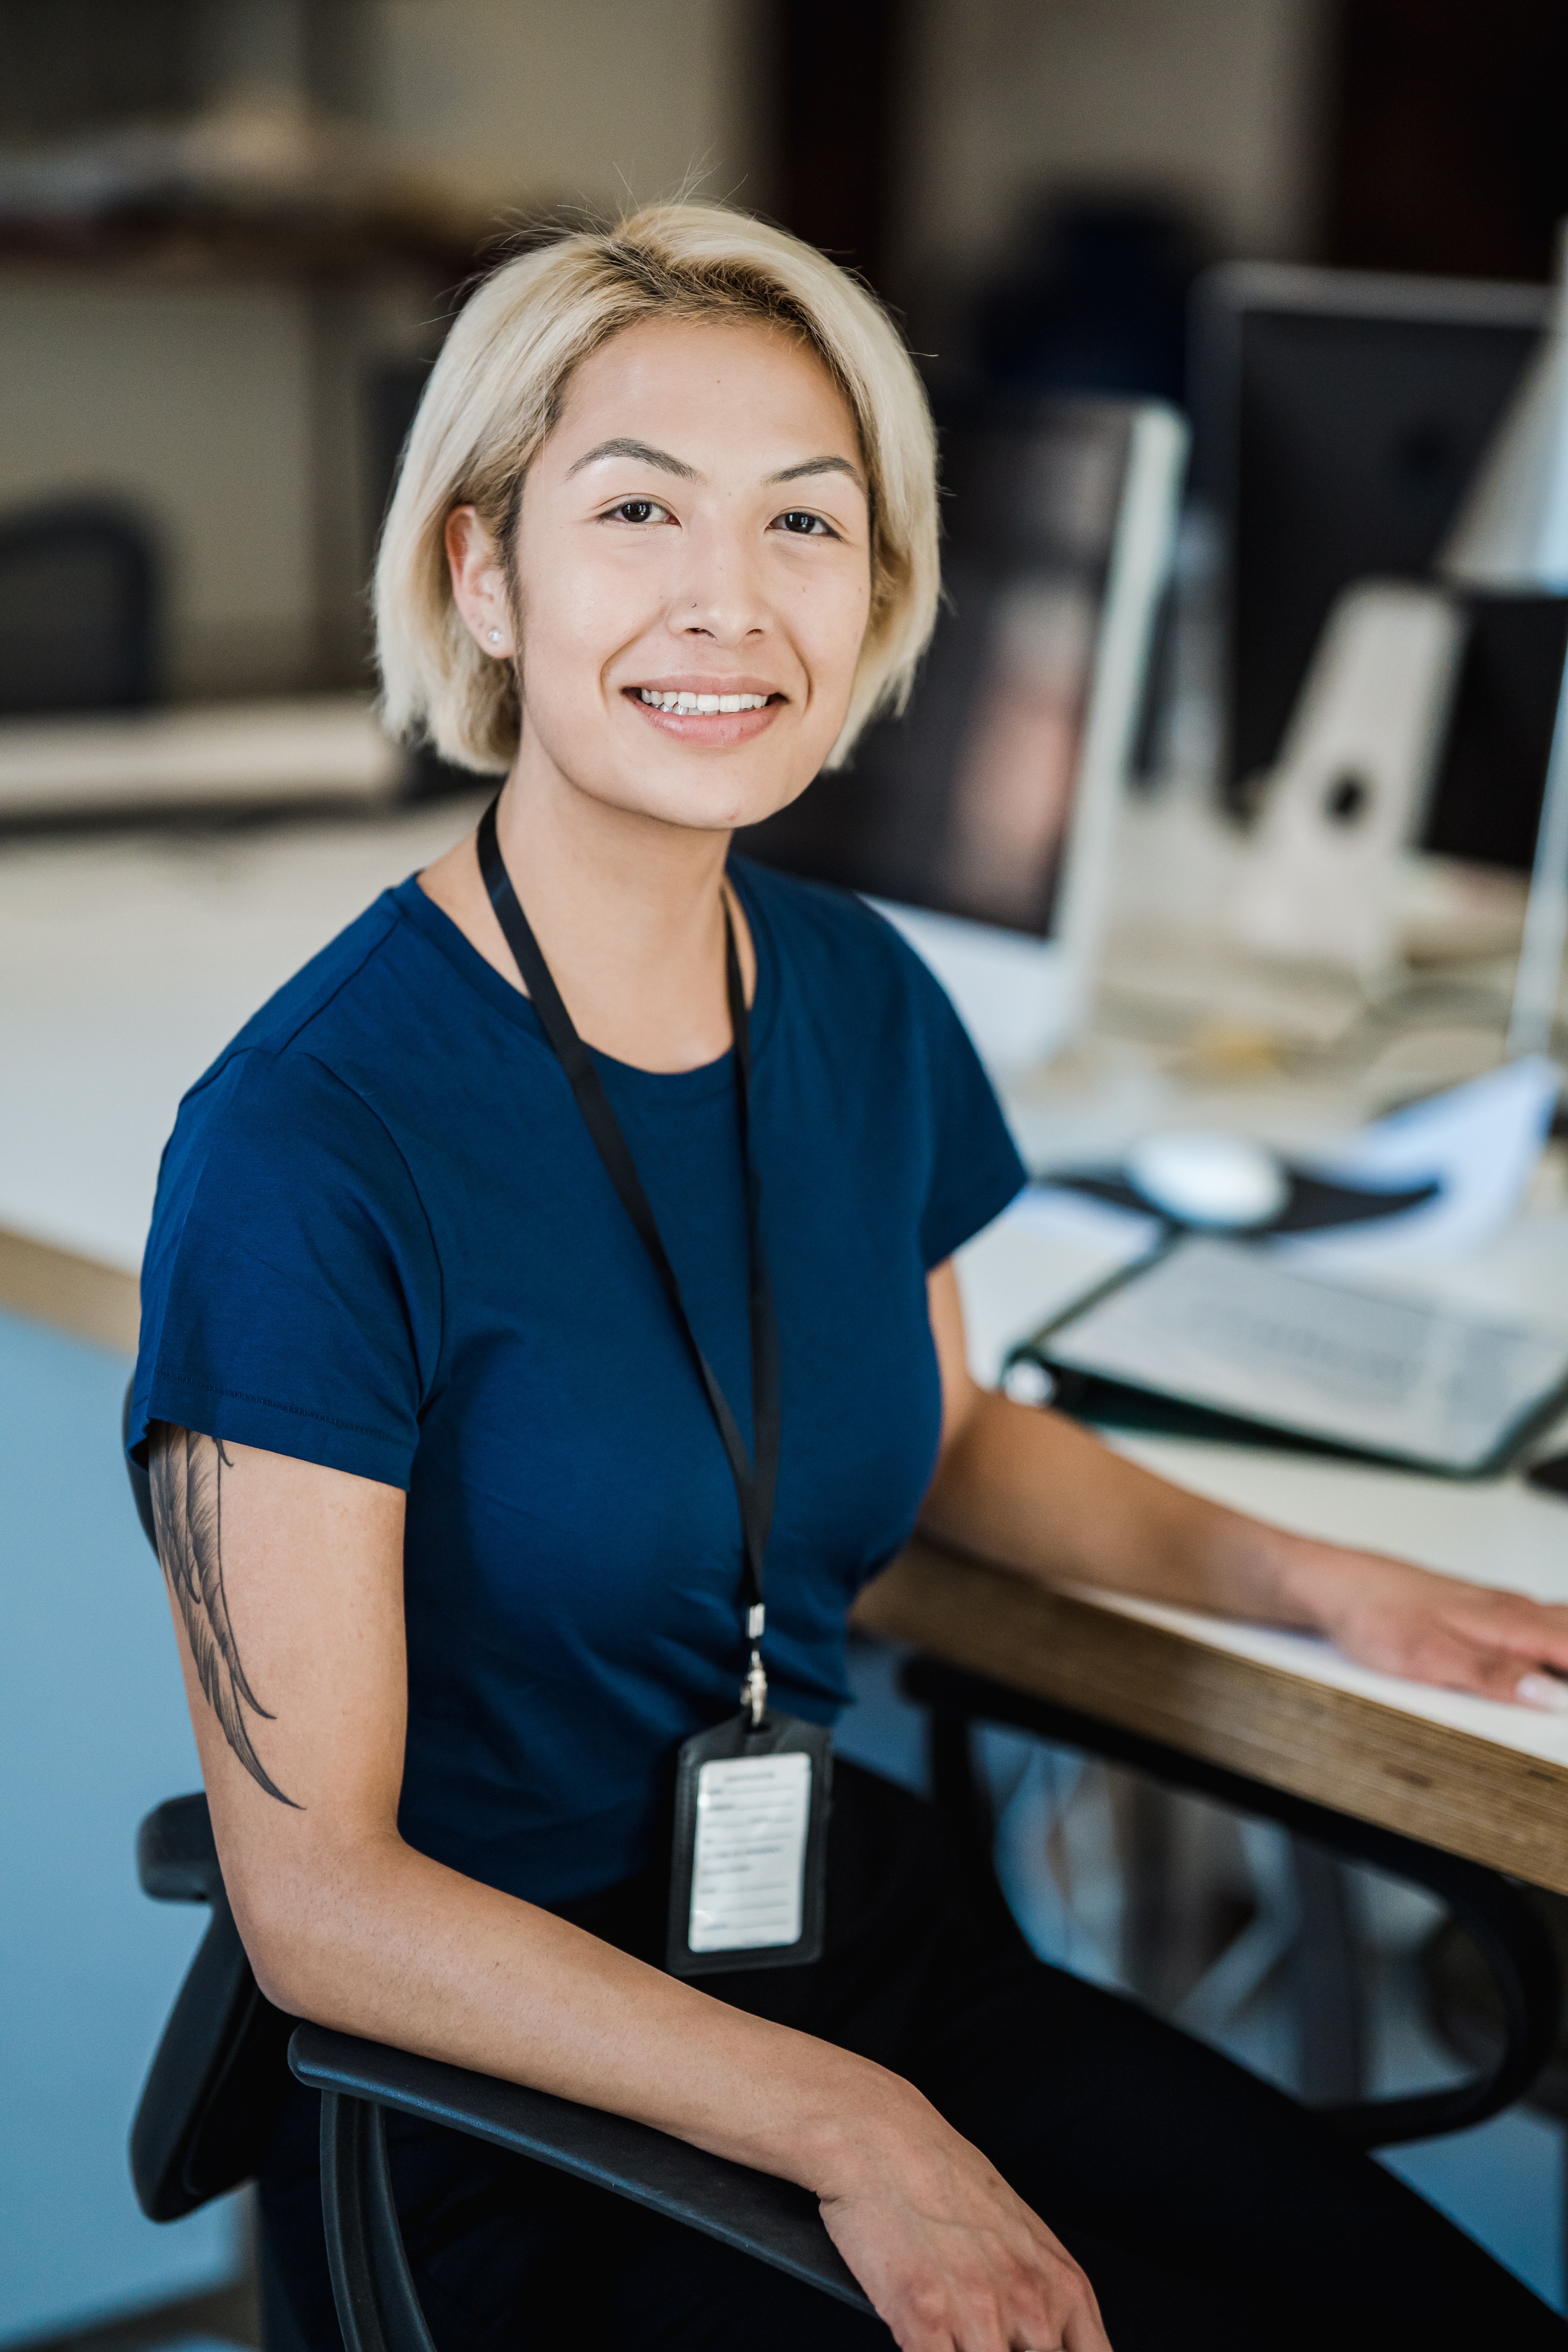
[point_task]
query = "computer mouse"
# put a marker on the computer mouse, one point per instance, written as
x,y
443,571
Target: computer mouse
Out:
x,y
1225,1182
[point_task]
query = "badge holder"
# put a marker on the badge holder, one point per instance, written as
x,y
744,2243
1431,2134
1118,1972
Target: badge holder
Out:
x,y
748,1882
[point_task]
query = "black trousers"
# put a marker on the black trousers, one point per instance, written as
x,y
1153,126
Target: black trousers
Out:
x,y
1209,2210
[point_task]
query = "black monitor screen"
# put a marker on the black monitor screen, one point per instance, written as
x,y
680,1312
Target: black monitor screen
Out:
x,y
1338,440
962,805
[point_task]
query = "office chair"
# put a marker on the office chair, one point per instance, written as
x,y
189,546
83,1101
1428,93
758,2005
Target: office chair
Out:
x,y
1463,2011
218,2076
79,610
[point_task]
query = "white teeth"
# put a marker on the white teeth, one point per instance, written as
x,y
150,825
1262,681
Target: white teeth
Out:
x,y
704,705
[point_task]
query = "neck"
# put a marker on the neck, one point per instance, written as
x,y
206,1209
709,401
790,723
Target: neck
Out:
x,y
629,912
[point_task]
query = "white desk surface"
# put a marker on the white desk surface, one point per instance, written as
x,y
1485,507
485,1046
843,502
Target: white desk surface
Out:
x,y
127,961
298,748
1492,1531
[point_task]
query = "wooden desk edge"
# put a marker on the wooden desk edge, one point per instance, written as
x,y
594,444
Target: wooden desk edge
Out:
x,y
79,1295
1469,1796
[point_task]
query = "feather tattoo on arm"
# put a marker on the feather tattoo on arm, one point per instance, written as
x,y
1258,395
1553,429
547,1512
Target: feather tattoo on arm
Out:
x,y
186,1473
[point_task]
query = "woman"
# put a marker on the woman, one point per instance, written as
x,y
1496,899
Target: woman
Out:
x,y
462,1492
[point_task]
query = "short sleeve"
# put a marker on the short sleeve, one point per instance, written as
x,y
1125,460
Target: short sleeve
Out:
x,y
291,1295
975,1168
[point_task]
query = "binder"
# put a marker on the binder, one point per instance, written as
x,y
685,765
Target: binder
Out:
x,y
1218,1339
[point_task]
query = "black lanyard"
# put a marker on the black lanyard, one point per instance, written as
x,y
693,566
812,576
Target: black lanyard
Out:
x,y
756,1481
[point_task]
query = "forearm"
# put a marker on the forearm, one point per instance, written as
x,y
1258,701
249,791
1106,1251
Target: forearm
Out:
x,y
381,1941
1032,1491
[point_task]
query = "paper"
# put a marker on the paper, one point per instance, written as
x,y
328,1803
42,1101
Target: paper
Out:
x,y
748,1874
1220,1325
1479,1142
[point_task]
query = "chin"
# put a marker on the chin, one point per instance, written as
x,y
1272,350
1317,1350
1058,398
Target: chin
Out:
x,y
703,814
708,802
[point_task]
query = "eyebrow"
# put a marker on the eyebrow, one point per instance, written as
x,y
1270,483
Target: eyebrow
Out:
x,y
644,456
819,466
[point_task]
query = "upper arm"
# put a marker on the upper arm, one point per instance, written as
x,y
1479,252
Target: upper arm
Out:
x,y
961,1392
286,1583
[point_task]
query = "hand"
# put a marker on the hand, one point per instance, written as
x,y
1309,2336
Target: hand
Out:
x,y
952,2261
1405,1619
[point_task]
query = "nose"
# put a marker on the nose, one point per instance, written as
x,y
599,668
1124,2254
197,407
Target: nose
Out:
x,y
719,594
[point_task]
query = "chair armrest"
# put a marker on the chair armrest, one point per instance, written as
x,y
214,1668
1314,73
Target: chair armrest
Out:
x,y
1497,1916
755,2212
216,2082
176,1857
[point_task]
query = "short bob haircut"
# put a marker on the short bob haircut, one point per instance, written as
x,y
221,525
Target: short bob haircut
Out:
x,y
499,385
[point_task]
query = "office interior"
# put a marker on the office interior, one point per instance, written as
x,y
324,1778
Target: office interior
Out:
x,y
1320,235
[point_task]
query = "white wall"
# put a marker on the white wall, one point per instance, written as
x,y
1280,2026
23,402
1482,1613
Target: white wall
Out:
x,y
231,412
205,402
1212,100
570,104
194,403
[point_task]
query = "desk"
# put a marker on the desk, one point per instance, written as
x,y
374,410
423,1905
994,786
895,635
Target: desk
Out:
x,y
1475,1776
310,747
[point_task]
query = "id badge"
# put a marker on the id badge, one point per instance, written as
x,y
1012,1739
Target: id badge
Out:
x,y
748,1881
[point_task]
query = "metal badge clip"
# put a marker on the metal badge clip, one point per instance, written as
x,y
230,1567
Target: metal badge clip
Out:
x,y
755,1689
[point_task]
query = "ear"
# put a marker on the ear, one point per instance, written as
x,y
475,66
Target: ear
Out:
x,y
479,583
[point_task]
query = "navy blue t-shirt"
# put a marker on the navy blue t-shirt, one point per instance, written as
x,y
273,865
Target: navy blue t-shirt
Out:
x,y
383,1241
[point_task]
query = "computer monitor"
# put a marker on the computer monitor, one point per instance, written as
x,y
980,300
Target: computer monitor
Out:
x,y
1338,417
981,821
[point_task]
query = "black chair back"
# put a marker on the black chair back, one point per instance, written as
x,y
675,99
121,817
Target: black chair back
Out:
x,y
79,610
221,2067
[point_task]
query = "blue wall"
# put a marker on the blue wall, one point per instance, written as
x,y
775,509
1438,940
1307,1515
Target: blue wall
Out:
x,y
93,1732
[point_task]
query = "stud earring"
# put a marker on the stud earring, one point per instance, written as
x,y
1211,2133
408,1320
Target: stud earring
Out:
x,y
495,636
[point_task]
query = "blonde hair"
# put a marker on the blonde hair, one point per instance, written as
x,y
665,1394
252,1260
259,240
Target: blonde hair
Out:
x,y
499,388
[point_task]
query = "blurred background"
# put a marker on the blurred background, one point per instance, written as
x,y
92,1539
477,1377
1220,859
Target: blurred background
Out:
x,y
225,226
232,235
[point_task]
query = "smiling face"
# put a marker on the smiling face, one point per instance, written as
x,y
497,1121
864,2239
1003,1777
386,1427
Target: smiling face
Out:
x,y
691,575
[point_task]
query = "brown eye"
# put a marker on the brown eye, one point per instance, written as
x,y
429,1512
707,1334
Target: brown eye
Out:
x,y
803,525
635,511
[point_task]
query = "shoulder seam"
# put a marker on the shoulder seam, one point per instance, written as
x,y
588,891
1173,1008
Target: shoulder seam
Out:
x,y
372,949
282,1045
